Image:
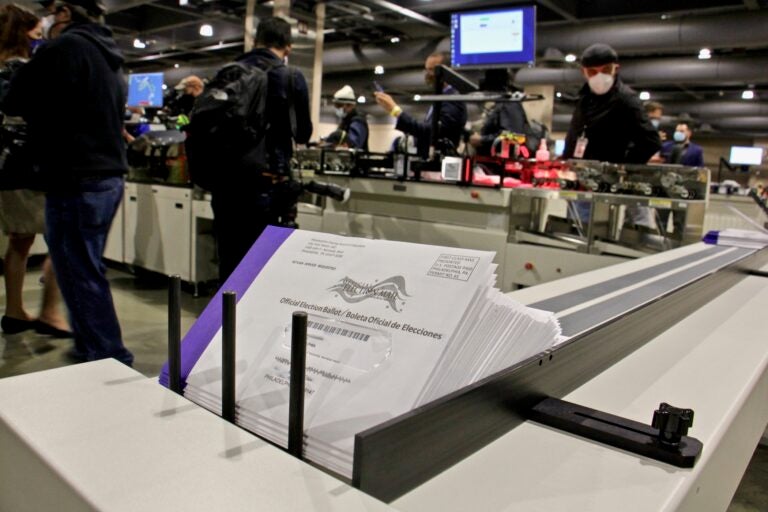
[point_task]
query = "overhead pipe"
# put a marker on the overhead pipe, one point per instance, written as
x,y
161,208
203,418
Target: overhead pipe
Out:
x,y
719,70
742,29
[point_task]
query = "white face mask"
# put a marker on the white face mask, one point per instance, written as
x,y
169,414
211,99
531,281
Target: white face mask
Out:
x,y
656,123
339,112
601,83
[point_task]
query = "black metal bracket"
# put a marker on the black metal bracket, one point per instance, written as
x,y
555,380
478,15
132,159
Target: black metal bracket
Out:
x,y
667,443
174,334
297,384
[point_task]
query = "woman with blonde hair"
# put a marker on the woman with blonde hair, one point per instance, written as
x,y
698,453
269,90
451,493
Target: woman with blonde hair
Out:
x,y
22,211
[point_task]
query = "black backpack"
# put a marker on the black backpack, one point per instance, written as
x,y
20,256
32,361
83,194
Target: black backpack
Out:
x,y
227,126
17,167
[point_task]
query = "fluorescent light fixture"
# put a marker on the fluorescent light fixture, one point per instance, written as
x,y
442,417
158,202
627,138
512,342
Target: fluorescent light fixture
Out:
x,y
206,30
394,40
705,53
361,99
570,58
183,2
645,95
138,43
378,70
748,95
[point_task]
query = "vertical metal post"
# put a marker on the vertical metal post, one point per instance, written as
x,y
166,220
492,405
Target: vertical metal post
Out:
x,y
228,304
298,371
250,7
317,67
174,334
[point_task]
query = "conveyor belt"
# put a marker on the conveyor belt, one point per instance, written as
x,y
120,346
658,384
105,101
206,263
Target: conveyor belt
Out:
x,y
580,296
599,313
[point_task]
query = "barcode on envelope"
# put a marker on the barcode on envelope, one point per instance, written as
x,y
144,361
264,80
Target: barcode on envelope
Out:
x,y
329,329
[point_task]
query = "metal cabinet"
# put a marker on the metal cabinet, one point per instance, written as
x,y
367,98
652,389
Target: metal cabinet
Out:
x,y
158,225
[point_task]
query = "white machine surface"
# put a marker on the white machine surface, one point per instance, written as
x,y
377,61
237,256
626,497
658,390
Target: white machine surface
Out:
x,y
100,436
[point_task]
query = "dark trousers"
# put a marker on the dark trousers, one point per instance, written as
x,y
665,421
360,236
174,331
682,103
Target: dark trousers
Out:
x,y
240,214
77,220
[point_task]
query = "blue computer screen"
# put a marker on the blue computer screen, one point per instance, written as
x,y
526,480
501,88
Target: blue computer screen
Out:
x,y
145,90
501,37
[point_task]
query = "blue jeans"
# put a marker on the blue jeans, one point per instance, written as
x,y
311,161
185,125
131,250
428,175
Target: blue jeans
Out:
x,y
77,221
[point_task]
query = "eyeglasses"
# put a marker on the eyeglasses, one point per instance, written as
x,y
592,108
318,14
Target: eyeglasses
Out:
x,y
605,68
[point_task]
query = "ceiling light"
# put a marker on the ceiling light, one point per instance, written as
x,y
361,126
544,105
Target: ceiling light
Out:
x,y
570,58
645,95
165,87
176,65
361,99
748,95
378,70
394,40
416,97
705,53
138,43
183,2
559,94
206,30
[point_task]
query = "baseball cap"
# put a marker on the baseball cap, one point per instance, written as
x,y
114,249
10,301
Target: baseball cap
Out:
x,y
189,80
598,55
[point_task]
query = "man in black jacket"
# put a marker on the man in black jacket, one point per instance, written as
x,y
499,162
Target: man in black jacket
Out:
x,y
609,123
453,114
252,199
72,96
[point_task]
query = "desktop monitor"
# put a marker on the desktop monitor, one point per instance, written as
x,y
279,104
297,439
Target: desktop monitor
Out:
x,y
493,38
145,90
746,155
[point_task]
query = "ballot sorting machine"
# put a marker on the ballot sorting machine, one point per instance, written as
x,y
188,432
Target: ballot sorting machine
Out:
x,y
602,213
601,323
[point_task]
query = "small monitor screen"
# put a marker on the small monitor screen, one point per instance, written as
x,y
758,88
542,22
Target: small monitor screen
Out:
x,y
501,37
745,155
559,147
145,90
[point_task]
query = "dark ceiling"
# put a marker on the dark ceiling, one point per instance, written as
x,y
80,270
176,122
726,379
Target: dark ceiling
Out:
x,y
355,29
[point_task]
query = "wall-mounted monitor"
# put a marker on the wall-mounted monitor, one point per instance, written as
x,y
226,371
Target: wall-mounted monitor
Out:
x,y
746,155
500,37
145,90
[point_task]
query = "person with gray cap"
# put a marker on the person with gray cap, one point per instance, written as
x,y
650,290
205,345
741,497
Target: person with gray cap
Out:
x,y
609,123
72,96
352,131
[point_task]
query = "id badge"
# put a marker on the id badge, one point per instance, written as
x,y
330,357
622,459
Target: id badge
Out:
x,y
581,146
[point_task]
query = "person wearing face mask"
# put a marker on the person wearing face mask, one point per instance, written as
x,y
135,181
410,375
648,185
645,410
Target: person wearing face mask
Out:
x,y
681,150
453,114
352,131
609,123
22,211
189,88
72,96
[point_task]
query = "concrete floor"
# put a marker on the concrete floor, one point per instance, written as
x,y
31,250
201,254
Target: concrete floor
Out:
x,y
142,309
